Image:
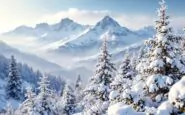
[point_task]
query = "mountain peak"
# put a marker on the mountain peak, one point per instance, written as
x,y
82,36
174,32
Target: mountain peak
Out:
x,y
66,21
42,25
64,24
108,18
107,21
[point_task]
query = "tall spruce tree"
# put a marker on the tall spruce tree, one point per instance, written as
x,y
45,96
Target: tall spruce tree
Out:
x,y
163,64
14,84
78,84
9,110
97,92
79,94
123,82
28,106
68,101
45,100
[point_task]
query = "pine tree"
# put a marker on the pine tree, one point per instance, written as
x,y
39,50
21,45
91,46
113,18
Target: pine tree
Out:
x,y
78,88
79,94
14,84
9,110
62,89
97,92
123,82
28,106
163,64
78,84
68,101
45,101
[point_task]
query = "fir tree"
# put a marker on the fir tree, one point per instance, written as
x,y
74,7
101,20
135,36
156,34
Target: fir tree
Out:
x,y
68,101
78,89
79,94
9,110
123,82
28,106
97,92
163,64
78,84
45,101
14,84
62,89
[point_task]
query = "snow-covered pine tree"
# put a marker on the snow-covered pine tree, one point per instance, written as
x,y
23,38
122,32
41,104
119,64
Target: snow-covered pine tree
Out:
x,y
163,64
68,101
9,110
14,84
78,84
79,94
134,61
123,82
96,98
45,101
62,89
28,106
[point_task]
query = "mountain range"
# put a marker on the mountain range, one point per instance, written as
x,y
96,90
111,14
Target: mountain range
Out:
x,y
70,48
71,37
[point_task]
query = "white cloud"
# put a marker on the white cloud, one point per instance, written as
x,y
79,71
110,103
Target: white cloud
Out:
x,y
92,17
132,21
80,16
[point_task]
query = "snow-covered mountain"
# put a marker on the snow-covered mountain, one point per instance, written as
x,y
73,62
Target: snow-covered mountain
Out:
x,y
68,42
31,60
69,37
146,32
42,64
49,33
89,41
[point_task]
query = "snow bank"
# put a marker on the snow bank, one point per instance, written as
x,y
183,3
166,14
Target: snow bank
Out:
x,y
177,94
166,108
121,109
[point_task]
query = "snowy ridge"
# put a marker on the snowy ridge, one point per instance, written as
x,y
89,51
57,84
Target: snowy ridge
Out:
x,y
49,33
64,41
30,59
147,31
117,36
70,38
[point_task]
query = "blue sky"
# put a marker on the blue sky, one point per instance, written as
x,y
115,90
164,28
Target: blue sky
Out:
x,y
132,13
130,6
